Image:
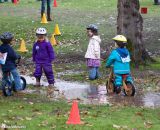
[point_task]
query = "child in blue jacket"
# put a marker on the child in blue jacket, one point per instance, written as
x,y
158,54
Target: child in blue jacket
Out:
x,y
120,60
12,56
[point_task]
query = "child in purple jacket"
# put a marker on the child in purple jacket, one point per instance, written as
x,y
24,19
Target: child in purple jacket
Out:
x,y
43,55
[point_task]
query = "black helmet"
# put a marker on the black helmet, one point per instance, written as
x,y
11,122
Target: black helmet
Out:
x,y
92,27
6,37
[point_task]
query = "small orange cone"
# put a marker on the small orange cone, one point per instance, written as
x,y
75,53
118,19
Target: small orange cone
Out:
x,y
15,2
22,46
55,3
53,40
44,19
74,117
56,30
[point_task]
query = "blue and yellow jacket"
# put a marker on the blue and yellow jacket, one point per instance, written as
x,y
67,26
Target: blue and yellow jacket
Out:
x,y
120,59
12,56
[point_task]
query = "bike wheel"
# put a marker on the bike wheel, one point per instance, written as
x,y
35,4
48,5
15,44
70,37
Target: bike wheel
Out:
x,y
7,88
110,87
23,83
131,91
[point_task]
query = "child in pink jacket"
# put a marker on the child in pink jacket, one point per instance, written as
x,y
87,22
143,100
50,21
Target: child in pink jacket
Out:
x,y
93,52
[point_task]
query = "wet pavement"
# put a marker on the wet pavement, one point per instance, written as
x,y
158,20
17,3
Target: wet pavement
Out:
x,y
89,94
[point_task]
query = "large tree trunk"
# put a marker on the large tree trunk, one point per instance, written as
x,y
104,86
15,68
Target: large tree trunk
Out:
x,y
130,24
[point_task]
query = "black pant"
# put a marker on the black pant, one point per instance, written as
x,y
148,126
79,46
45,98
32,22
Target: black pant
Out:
x,y
156,2
48,7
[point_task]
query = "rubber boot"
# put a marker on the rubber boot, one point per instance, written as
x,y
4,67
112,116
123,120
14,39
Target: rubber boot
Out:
x,y
37,82
50,91
118,89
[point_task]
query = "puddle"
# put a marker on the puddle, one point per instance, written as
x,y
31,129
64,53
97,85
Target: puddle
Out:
x,y
86,93
152,100
90,94
69,72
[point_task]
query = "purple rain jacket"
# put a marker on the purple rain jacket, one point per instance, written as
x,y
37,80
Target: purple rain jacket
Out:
x,y
43,52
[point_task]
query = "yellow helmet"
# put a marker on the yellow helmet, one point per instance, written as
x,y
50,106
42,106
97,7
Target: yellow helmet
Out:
x,y
120,38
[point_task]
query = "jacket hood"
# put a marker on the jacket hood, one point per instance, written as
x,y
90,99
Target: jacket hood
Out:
x,y
123,52
97,38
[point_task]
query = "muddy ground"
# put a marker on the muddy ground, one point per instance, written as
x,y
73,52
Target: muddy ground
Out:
x,y
147,85
147,81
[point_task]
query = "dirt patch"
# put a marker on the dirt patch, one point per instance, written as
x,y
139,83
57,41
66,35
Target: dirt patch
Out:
x,y
69,58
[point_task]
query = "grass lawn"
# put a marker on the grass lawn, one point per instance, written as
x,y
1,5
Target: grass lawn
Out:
x,y
36,112
73,16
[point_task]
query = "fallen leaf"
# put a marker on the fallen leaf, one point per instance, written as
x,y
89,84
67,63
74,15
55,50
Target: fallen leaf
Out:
x,y
19,118
116,126
13,118
120,127
28,118
139,114
38,113
5,121
53,126
89,125
148,124
31,103
10,111
44,123
85,112
35,110
21,107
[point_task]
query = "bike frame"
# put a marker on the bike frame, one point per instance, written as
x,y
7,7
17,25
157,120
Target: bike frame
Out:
x,y
111,77
10,77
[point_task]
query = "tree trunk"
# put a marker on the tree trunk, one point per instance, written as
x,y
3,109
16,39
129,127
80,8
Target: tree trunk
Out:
x,y
130,24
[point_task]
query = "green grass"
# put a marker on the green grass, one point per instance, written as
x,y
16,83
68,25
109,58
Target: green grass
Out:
x,y
155,66
72,16
36,112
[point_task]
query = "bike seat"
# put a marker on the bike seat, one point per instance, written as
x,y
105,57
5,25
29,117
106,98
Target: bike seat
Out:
x,y
124,76
8,73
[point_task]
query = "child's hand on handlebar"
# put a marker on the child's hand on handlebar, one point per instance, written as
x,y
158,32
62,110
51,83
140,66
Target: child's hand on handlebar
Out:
x,y
1,55
18,60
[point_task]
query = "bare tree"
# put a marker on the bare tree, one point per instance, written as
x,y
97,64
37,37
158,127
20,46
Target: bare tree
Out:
x,y
130,24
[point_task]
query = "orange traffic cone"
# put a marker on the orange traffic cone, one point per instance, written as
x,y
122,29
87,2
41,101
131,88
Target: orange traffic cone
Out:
x,y
56,30
15,2
44,19
23,46
74,117
53,40
55,3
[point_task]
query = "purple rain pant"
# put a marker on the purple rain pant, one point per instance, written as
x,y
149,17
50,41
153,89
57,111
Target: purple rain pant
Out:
x,y
47,69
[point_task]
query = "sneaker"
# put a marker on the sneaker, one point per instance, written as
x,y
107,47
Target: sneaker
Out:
x,y
118,89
